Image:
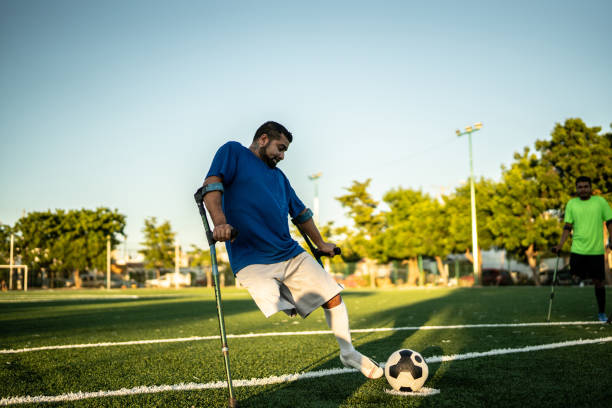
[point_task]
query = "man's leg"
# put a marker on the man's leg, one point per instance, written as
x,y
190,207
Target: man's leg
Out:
x,y
591,267
600,295
597,270
337,320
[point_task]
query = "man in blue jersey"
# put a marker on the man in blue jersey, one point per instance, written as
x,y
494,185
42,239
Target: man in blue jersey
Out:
x,y
245,190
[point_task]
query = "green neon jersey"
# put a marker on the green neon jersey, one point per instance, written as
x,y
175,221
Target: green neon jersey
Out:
x,y
587,218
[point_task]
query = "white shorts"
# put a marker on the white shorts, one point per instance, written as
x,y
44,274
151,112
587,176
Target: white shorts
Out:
x,y
299,285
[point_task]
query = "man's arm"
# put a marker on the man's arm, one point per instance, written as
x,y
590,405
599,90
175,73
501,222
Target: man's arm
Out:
x,y
609,225
313,233
222,230
567,228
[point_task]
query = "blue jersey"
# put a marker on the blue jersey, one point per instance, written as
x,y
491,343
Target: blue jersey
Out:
x,y
256,200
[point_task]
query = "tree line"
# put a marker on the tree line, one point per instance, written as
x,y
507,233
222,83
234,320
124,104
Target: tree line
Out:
x,y
521,213
61,243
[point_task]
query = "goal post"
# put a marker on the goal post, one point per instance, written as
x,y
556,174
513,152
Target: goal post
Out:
x,y
25,274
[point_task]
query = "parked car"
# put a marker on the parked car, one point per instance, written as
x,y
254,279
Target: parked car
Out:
x,y
131,283
168,281
496,277
466,280
63,282
92,281
99,281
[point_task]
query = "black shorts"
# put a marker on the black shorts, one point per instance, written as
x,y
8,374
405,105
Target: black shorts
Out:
x,y
588,266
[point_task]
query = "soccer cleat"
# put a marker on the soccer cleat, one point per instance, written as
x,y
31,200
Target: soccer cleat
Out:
x,y
602,317
355,359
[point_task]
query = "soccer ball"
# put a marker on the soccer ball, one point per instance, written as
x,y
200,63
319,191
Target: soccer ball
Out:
x,y
406,370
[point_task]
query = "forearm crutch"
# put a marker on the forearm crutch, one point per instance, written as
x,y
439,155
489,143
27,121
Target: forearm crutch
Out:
x,y
552,289
199,195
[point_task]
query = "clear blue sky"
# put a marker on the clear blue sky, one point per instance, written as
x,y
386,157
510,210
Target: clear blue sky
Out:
x,y
123,103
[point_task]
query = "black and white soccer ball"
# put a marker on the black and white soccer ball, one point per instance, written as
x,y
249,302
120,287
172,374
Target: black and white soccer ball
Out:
x,y
406,370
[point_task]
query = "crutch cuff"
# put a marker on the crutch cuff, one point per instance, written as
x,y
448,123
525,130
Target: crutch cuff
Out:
x,y
303,217
207,188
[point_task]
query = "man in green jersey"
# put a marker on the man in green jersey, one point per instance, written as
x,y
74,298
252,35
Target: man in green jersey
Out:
x,y
585,215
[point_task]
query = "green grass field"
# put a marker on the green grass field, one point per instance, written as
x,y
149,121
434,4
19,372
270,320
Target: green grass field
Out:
x,y
579,375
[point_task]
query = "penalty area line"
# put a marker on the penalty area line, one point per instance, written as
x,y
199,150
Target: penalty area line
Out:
x,y
297,333
75,396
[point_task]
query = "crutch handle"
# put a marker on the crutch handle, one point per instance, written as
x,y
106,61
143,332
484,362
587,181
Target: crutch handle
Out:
x,y
199,199
213,241
318,253
234,233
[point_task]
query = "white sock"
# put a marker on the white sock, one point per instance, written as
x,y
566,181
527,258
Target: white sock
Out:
x,y
338,322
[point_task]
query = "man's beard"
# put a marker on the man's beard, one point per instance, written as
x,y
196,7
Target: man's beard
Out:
x,y
262,153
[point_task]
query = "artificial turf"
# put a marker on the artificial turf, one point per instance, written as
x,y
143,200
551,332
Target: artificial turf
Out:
x,y
572,376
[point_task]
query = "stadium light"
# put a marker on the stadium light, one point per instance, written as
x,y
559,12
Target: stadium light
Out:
x,y
315,179
468,131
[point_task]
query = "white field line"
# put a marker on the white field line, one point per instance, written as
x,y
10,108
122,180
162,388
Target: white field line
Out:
x,y
298,333
74,396
526,349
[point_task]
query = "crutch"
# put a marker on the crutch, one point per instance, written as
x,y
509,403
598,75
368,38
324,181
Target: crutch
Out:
x,y
199,195
552,289
315,251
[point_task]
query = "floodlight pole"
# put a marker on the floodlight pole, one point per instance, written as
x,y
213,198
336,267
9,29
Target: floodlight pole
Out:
x,y
176,265
11,263
469,130
315,179
108,262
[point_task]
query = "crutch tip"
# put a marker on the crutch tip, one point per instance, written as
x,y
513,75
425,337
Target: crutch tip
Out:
x,y
233,403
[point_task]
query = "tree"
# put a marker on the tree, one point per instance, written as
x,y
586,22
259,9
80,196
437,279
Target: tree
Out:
x,y
523,223
415,226
459,218
38,240
64,242
84,237
573,150
199,257
5,242
365,240
158,245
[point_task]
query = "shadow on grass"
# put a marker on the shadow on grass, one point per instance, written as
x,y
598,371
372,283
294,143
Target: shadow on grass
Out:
x,y
341,389
454,307
94,316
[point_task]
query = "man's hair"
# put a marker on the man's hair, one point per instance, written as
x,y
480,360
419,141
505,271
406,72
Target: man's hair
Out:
x,y
583,178
274,131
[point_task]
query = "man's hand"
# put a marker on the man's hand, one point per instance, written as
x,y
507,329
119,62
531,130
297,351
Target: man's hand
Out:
x,y
327,248
223,232
556,249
